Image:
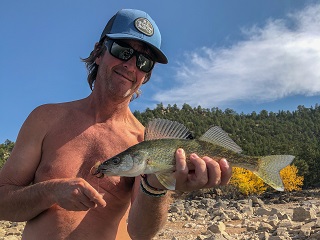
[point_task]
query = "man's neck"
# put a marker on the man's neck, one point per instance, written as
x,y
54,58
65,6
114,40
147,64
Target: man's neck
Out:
x,y
103,110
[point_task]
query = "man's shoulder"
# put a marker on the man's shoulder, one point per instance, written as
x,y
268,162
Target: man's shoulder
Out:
x,y
49,113
51,109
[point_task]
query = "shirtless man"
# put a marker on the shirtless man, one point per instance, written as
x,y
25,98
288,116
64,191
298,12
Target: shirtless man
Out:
x,y
47,181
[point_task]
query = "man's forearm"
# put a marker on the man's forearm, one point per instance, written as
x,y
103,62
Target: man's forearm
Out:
x,y
23,203
147,215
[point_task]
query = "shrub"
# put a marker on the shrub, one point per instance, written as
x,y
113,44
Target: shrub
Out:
x,y
246,182
291,180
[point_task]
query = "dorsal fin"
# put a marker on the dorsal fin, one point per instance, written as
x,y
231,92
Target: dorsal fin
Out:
x,y
219,137
163,128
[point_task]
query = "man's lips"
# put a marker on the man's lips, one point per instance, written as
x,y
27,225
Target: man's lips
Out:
x,y
124,76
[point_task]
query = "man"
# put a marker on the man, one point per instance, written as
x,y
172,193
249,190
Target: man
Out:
x,y
47,180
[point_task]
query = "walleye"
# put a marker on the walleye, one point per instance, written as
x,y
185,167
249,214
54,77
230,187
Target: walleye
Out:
x,y
155,155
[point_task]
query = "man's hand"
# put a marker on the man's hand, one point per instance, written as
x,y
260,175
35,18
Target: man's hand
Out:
x,y
75,194
207,172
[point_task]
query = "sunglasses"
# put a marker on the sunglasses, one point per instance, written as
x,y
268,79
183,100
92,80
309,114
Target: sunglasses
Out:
x,y
124,52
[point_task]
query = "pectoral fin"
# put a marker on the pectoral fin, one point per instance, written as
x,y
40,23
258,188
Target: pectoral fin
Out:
x,y
167,179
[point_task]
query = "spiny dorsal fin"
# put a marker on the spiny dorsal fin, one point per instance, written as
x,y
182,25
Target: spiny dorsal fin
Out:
x,y
219,137
163,128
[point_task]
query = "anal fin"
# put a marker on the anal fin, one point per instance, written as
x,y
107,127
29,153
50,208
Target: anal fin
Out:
x,y
167,179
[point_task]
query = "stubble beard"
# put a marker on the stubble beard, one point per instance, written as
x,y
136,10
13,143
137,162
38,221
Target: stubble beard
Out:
x,y
111,86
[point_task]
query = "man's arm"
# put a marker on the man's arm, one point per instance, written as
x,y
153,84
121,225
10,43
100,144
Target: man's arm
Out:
x,y
149,214
21,201
18,199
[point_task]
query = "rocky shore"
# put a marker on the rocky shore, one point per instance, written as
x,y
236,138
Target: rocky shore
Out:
x,y
11,230
213,217
270,217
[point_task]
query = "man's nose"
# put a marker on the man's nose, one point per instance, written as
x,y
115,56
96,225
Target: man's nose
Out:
x,y
130,64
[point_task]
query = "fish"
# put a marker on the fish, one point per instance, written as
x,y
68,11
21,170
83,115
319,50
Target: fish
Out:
x,y
156,155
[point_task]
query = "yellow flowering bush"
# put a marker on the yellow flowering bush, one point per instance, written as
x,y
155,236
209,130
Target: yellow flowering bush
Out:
x,y
247,183
290,178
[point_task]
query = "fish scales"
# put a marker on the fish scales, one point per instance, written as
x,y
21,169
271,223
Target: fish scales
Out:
x,y
163,151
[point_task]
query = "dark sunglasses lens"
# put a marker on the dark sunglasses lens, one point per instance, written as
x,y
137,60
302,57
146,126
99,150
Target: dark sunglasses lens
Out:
x,y
144,64
123,53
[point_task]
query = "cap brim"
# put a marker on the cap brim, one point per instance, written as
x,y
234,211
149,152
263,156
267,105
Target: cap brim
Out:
x,y
160,56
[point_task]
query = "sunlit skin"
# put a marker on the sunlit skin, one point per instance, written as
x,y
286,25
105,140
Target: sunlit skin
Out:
x,y
64,200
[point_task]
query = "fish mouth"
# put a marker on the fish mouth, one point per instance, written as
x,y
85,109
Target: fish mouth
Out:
x,y
97,173
96,170
99,170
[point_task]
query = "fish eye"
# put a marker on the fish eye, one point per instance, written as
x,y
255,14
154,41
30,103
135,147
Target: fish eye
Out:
x,y
116,160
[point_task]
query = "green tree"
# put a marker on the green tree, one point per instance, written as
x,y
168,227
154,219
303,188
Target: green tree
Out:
x,y
296,133
5,151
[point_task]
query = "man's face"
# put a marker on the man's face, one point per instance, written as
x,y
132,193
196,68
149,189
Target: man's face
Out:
x,y
117,77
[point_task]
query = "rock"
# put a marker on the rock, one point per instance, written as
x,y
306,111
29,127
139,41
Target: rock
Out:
x,y
253,227
285,223
254,218
12,238
278,238
301,214
11,230
257,202
174,209
263,211
281,231
190,225
2,232
305,232
264,235
248,210
273,220
217,228
265,227
200,214
315,236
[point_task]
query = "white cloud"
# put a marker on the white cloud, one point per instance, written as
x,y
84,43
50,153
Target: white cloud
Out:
x,y
278,60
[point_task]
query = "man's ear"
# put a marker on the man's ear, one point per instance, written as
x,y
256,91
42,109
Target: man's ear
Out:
x,y
98,60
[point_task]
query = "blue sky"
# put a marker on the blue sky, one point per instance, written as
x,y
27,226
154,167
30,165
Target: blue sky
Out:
x,y
246,55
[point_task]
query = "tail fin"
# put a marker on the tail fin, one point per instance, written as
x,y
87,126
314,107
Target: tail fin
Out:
x,y
269,169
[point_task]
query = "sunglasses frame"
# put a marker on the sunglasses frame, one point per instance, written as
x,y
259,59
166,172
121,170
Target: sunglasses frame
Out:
x,y
110,44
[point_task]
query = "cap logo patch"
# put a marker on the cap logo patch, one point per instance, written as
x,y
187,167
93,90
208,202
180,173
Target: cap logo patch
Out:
x,y
144,25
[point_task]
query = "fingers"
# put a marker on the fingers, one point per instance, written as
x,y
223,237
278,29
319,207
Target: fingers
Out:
x,y
77,195
200,177
213,172
226,171
79,202
219,173
182,170
94,196
181,164
207,172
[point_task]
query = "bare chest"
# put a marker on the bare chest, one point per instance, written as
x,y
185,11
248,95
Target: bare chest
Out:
x,y
72,152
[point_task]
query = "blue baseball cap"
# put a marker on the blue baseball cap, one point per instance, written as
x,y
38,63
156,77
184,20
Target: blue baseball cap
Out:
x,y
138,25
